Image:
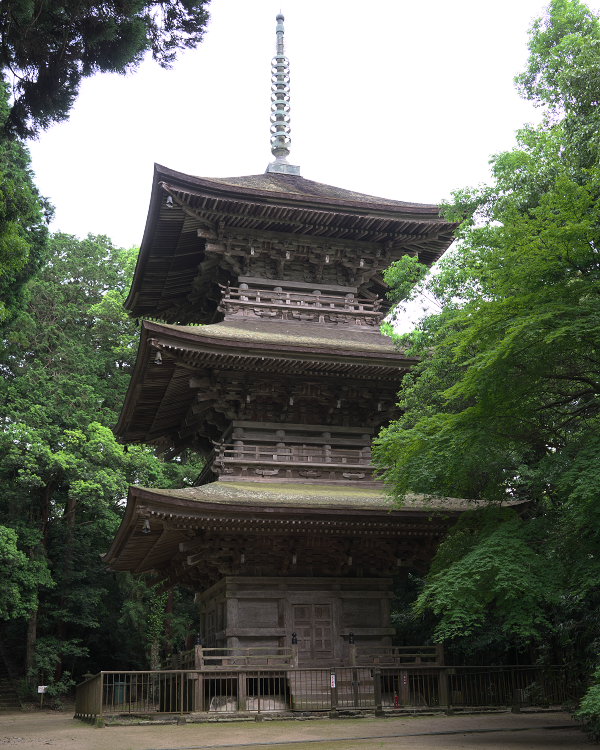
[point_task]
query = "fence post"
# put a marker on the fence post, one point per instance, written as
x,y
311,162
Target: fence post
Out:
x,y
355,688
444,691
333,694
100,715
181,719
198,692
516,701
258,716
377,692
439,654
242,700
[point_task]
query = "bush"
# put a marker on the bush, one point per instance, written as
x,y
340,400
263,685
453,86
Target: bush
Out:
x,y
589,708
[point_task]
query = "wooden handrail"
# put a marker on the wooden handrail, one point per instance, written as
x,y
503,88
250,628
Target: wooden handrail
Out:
x,y
268,296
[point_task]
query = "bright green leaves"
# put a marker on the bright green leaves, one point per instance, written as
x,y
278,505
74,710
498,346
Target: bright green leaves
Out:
x,y
562,53
563,76
403,276
504,404
486,568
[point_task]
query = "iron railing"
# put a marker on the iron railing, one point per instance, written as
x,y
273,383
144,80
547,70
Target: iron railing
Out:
x,y
288,689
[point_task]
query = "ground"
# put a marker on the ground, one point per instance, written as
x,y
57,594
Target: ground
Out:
x,y
499,731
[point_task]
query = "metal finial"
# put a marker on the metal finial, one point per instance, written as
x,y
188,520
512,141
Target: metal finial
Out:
x,y
280,106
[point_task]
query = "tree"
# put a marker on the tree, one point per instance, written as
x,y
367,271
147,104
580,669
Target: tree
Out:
x,y
65,368
23,219
22,577
505,403
46,48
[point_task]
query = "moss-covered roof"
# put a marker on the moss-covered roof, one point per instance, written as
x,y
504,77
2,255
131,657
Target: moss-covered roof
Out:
x,y
277,333
299,186
323,496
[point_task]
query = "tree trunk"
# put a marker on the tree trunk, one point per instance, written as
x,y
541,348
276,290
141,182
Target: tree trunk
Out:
x,y
30,673
61,627
155,655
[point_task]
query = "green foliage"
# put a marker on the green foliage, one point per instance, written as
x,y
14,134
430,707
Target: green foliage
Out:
x,y
488,566
403,277
21,579
23,218
562,76
48,47
155,623
589,708
505,402
65,366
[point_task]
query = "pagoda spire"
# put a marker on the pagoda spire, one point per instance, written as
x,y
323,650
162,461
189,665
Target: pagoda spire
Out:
x,y
280,106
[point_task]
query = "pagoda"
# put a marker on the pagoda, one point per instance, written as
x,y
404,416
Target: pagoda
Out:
x,y
269,361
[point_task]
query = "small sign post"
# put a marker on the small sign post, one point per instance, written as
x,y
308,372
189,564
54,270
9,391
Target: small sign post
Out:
x,y
41,690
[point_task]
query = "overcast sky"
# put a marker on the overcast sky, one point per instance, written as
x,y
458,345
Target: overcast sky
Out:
x,y
405,100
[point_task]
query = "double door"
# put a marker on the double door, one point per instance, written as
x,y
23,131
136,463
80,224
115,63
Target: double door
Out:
x,y
313,625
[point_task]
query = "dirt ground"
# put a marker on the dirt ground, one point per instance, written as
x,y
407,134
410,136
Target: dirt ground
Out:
x,y
501,731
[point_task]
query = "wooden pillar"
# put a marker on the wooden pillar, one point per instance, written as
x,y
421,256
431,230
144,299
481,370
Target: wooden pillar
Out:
x,y
199,692
333,694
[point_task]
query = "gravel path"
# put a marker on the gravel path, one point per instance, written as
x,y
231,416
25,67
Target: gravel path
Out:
x,y
501,731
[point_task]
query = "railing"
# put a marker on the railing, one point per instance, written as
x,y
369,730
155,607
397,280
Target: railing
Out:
x,y
409,687
396,655
316,300
271,454
201,657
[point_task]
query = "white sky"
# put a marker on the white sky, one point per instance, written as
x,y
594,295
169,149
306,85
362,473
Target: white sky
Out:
x,y
405,100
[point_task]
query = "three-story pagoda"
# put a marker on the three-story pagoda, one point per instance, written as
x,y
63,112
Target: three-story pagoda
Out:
x,y
270,362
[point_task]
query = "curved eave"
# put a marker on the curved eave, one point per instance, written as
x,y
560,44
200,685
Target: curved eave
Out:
x,y
343,202
171,247
176,515
155,390
201,340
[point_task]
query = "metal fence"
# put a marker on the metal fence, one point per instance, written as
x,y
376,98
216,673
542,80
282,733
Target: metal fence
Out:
x,y
409,687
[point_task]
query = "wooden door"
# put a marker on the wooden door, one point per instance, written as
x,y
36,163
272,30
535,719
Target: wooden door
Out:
x,y
313,624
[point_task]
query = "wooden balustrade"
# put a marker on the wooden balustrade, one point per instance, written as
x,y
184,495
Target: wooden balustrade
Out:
x,y
314,455
325,302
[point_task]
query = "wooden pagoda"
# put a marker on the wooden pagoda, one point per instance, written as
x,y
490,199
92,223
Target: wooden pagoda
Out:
x,y
270,362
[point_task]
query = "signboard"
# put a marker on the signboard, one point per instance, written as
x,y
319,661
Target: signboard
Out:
x,y
42,688
332,680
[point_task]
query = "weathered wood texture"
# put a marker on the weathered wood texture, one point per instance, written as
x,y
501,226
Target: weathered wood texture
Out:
x,y
326,615
283,391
